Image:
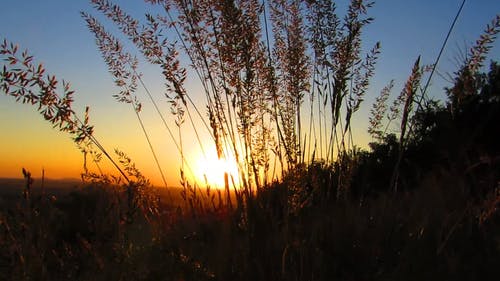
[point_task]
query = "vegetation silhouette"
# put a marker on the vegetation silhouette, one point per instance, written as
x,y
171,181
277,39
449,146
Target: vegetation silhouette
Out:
x,y
423,203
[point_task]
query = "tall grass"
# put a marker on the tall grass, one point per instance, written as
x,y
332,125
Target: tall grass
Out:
x,y
256,62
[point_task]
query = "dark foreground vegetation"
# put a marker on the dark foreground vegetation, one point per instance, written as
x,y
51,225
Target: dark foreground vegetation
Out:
x,y
442,222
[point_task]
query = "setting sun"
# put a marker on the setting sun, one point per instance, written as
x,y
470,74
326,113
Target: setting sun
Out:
x,y
209,169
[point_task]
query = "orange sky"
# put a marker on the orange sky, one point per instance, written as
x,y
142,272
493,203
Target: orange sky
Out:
x,y
30,142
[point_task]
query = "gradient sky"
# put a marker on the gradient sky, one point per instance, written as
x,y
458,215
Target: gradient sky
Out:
x,y
55,33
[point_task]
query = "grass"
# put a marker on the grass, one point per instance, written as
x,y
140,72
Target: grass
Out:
x,y
433,232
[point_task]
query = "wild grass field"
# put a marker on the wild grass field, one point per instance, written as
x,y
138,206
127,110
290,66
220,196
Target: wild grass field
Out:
x,y
282,82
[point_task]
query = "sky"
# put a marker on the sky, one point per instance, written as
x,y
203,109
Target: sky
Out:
x,y
56,35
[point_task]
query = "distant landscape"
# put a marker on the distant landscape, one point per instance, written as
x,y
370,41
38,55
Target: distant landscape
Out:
x,y
18,184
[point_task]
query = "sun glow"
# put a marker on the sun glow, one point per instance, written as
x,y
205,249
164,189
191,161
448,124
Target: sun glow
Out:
x,y
211,170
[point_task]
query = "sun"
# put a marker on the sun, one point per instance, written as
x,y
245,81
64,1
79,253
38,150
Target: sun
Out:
x,y
210,169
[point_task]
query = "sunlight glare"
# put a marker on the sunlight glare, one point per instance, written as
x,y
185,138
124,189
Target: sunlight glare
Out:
x,y
211,170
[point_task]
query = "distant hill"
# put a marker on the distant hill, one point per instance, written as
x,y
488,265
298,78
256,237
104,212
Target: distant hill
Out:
x,y
16,185
13,187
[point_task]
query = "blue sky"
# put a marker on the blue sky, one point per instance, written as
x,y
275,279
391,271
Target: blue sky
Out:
x,y
55,33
